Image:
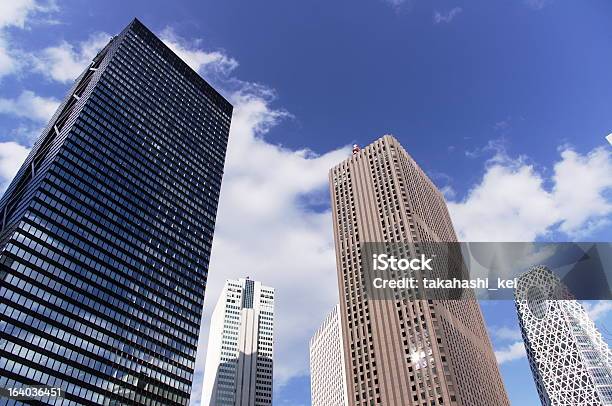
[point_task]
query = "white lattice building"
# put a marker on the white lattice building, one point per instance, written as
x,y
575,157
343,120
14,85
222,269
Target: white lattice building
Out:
x,y
570,361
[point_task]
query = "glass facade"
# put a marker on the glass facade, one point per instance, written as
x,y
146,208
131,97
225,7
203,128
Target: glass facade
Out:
x,y
240,352
106,232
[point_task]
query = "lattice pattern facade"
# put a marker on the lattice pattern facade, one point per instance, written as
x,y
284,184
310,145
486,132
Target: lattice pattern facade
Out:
x,y
570,361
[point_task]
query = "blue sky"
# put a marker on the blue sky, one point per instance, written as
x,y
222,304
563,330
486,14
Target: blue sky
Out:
x,y
504,103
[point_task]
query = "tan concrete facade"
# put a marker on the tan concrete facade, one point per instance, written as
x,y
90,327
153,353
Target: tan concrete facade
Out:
x,y
403,352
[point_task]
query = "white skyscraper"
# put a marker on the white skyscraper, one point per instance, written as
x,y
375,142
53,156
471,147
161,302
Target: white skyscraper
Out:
x,y
571,363
327,375
238,370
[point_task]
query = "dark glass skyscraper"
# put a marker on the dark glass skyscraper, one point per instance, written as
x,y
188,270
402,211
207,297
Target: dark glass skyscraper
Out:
x,y
106,231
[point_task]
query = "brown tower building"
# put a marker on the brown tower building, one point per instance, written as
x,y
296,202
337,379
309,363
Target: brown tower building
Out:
x,y
403,352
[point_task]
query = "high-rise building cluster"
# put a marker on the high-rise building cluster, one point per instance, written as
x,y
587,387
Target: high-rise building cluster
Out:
x,y
401,351
105,240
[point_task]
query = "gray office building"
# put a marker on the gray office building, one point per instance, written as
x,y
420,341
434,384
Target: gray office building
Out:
x,y
240,352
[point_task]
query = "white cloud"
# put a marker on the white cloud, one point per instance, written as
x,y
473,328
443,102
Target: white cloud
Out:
x,y
447,17
12,156
502,125
506,333
198,59
27,132
580,182
537,4
400,5
448,192
9,63
512,202
16,14
511,352
508,205
598,309
64,62
30,105
497,146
